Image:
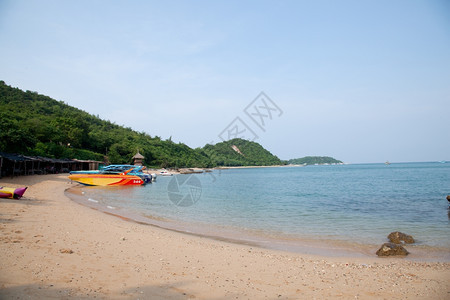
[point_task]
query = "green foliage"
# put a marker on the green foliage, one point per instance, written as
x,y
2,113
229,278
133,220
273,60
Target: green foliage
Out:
x,y
251,154
13,136
311,160
35,124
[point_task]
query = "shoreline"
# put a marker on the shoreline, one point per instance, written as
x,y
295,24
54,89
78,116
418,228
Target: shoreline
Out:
x,y
175,171
115,258
314,247
299,245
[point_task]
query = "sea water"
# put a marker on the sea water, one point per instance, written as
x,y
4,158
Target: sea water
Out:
x,y
290,207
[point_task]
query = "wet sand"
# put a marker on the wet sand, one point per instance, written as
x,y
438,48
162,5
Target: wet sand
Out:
x,y
52,247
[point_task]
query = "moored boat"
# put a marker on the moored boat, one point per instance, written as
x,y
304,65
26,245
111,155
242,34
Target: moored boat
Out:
x,y
107,179
111,170
165,173
12,193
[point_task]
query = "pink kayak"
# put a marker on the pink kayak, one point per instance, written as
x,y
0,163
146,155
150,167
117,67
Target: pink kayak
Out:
x,y
16,193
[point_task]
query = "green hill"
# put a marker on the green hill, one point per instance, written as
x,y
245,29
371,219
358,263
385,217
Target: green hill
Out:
x,y
34,124
239,152
311,160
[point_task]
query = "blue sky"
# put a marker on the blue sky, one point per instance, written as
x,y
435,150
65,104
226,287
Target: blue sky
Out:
x,y
362,81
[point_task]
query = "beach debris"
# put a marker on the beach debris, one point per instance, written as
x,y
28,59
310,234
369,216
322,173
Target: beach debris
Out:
x,y
66,251
391,249
397,237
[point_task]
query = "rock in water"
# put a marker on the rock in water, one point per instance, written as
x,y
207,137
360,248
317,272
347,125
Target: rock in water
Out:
x,y
390,249
400,238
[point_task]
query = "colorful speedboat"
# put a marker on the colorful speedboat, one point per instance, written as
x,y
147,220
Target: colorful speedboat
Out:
x,y
108,175
107,179
12,193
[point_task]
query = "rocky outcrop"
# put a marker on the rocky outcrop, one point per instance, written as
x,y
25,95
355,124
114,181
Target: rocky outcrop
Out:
x,y
391,249
400,238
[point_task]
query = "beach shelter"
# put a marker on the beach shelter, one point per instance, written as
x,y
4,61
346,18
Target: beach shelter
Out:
x,y
138,159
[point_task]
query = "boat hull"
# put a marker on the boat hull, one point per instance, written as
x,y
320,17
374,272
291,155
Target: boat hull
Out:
x,y
12,193
106,179
117,170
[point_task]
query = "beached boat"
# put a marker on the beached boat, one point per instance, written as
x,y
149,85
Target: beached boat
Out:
x,y
107,179
13,193
116,170
165,173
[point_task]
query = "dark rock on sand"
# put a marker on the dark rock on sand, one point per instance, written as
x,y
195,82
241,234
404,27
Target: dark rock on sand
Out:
x,y
400,238
391,249
66,251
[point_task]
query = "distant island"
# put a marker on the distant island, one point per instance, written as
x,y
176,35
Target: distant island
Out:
x,y
313,160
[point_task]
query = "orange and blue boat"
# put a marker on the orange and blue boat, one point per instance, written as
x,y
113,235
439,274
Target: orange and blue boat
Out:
x,y
108,178
12,193
98,177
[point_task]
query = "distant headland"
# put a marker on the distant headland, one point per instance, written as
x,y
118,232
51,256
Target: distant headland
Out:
x,y
314,160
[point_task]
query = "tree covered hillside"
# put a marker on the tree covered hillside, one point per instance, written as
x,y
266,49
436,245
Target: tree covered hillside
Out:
x,y
239,152
34,124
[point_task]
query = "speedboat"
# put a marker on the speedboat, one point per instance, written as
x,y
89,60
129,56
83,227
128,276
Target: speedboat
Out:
x,y
107,179
165,173
117,169
112,175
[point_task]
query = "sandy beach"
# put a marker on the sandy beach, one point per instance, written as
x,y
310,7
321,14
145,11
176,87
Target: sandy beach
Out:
x,y
52,247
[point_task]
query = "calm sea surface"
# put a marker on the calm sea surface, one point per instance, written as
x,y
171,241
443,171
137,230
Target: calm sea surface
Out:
x,y
282,207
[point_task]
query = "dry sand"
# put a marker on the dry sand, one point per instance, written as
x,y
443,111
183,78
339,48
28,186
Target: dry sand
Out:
x,y
52,247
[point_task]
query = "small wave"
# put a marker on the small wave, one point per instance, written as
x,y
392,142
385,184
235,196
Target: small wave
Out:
x,y
110,207
92,200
